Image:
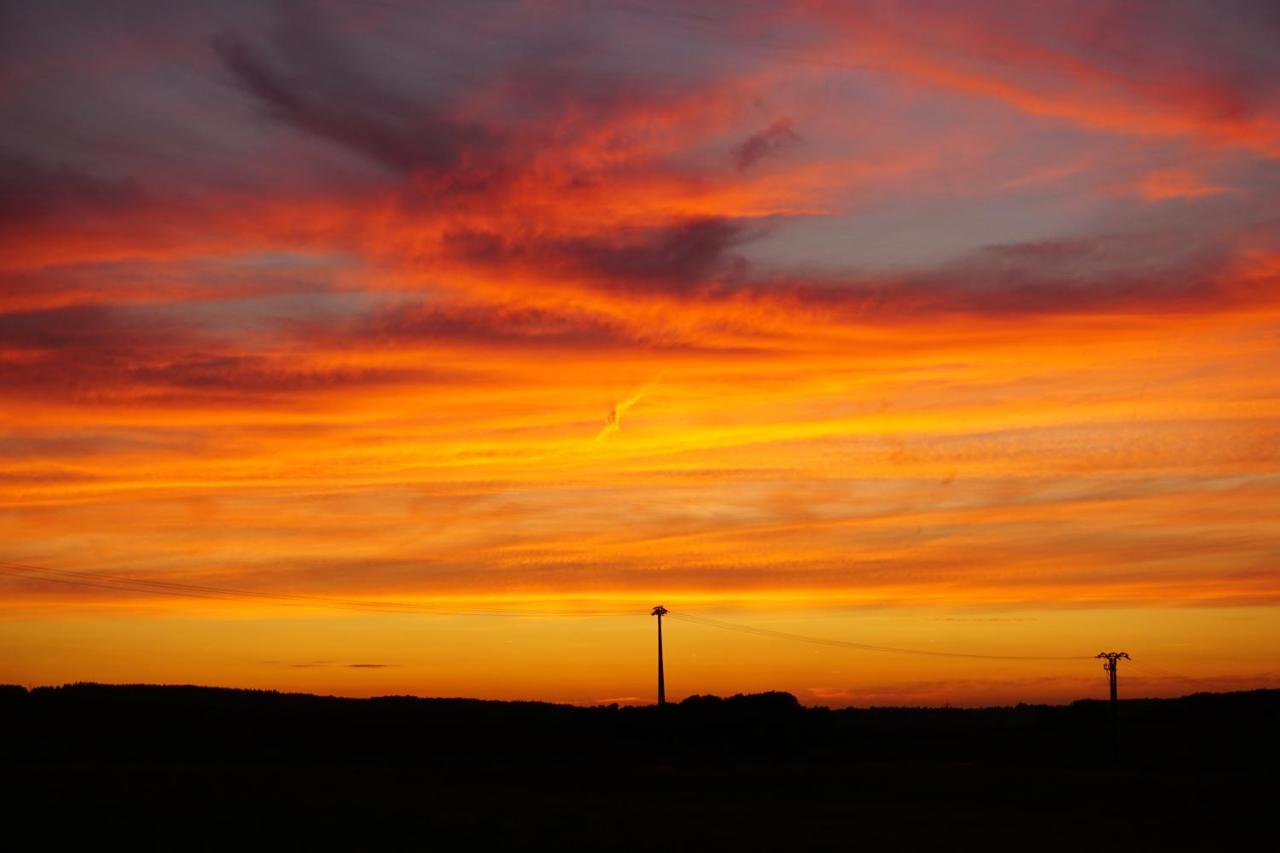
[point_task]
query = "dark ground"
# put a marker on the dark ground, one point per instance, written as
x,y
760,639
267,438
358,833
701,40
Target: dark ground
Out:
x,y
165,768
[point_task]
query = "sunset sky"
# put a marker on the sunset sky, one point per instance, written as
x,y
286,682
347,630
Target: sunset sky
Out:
x,y
435,343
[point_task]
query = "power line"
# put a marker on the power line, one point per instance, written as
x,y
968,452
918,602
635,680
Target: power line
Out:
x,y
865,647
101,580
1160,672
149,586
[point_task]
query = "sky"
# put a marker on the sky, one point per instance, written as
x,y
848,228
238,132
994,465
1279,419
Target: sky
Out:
x,y
392,347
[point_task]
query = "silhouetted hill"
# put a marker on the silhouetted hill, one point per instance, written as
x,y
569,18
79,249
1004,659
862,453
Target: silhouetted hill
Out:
x,y
195,723
211,768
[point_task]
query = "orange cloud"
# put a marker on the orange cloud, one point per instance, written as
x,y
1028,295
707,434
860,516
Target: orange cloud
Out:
x,y
1176,183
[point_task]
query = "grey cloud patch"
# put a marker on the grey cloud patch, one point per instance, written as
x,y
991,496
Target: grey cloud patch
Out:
x,y
30,189
496,326
371,665
773,139
1124,274
86,328
128,284
100,354
488,325
254,374
305,82
687,251
461,122
1108,272
313,78
675,256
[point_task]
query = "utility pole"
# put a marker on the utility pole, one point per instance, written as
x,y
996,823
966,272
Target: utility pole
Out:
x,y
662,686
1109,661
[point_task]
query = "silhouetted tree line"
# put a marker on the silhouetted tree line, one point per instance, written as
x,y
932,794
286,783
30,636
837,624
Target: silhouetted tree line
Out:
x,y
92,767
140,722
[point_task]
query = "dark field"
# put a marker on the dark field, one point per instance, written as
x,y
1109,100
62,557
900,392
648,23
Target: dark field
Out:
x,y
193,768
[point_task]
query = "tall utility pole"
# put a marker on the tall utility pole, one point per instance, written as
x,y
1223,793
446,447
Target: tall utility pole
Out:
x,y
1109,661
662,686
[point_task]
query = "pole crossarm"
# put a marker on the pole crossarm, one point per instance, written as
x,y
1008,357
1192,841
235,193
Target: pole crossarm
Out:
x,y
1114,656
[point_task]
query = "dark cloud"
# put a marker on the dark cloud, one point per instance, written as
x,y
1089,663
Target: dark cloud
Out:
x,y
451,121
136,281
676,256
689,251
32,190
775,138
1113,274
253,375
309,76
103,354
1123,274
100,354
490,325
86,329
305,81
